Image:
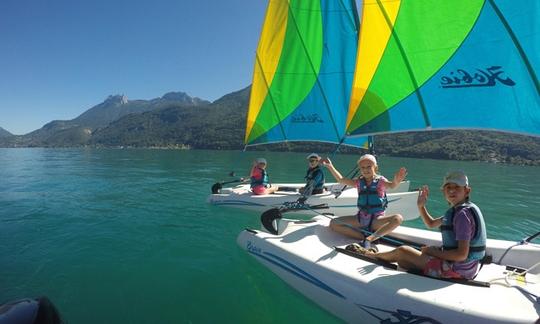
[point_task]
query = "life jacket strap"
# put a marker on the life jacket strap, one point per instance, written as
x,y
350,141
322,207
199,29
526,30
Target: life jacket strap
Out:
x,y
471,248
371,206
446,228
487,259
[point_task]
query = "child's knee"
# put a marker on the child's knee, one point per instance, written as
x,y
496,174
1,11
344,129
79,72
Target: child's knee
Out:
x,y
398,219
403,249
336,225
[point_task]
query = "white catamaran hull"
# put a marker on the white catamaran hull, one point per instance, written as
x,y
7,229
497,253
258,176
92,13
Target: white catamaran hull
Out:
x,y
361,291
400,201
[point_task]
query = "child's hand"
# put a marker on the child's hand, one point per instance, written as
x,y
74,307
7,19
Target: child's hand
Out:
x,y
423,194
400,175
326,161
429,250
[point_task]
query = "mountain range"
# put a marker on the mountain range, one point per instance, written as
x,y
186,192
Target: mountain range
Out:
x,y
177,120
4,133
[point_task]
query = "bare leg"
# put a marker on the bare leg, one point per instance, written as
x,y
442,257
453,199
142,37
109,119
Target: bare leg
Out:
x,y
384,225
338,225
271,190
405,256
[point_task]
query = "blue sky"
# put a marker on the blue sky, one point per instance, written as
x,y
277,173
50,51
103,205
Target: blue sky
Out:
x,y
59,58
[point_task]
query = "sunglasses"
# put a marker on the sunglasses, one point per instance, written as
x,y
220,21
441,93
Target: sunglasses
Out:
x,y
312,161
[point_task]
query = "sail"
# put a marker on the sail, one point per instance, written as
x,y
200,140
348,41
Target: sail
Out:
x,y
304,67
435,64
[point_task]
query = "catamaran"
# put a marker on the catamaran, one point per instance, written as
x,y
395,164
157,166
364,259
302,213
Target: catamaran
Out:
x,y
301,90
336,200
420,65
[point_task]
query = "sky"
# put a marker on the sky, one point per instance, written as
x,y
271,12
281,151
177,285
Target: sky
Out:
x,y
59,58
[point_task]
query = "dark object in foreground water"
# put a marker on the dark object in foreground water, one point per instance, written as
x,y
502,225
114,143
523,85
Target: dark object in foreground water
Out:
x,y
30,311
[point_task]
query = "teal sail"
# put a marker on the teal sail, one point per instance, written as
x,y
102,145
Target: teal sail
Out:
x,y
460,64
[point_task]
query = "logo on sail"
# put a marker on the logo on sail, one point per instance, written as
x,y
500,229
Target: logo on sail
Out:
x,y
309,118
480,78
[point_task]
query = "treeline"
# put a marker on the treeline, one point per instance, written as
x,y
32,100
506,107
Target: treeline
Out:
x,y
220,126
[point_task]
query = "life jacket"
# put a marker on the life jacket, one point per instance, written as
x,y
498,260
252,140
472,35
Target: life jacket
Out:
x,y
263,180
313,174
369,199
477,245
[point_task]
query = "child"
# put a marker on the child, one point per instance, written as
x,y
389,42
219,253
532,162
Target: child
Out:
x,y
314,177
260,183
463,235
371,202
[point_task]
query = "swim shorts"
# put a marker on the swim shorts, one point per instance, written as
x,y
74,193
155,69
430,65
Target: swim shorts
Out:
x,y
439,268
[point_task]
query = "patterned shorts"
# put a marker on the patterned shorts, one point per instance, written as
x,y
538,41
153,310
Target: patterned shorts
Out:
x,y
364,219
439,268
259,190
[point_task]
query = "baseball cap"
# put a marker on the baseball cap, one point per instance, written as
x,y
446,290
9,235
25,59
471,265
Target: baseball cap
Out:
x,y
457,177
313,155
261,160
368,157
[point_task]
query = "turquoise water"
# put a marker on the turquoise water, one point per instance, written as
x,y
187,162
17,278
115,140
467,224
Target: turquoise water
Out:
x,y
125,236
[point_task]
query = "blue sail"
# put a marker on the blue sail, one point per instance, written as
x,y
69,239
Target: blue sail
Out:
x,y
476,68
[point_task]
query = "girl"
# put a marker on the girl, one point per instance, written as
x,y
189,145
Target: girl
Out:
x,y
260,183
371,201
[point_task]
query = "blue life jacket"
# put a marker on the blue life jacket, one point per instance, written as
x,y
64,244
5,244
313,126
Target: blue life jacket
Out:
x,y
316,175
369,199
264,180
477,246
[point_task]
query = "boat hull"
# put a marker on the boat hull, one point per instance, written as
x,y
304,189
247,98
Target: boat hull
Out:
x,y
400,201
357,290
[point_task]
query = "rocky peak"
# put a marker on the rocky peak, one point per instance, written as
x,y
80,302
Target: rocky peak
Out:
x,y
183,97
116,99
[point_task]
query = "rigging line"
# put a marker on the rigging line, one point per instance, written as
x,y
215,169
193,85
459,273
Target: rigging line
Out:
x,y
337,147
516,42
327,105
407,64
270,95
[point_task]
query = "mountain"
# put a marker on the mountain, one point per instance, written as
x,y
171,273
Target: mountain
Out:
x,y
177,120
116,107
78,131
4,133
218,125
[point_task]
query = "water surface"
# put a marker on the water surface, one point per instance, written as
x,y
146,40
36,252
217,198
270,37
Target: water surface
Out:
x,y
125,236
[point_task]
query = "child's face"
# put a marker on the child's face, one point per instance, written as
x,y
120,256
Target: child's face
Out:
x,y
367,168
455,194
262,165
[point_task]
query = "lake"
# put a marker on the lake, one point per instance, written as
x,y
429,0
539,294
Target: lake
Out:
x,y
126,236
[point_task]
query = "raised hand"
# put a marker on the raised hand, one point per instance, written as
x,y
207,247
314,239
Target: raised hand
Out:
x,y
423,194
326,161
400,175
